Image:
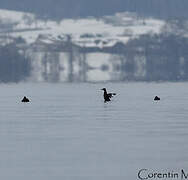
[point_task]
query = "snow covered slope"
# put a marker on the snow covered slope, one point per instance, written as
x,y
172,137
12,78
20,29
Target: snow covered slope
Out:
x,y
104,31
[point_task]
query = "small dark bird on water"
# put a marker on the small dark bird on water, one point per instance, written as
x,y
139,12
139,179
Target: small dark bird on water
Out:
x,y
157,98
25,99
107,96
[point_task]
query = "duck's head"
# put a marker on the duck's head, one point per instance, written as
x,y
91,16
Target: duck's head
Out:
x,y
103,89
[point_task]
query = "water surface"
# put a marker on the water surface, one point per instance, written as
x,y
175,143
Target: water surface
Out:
x,y
67,132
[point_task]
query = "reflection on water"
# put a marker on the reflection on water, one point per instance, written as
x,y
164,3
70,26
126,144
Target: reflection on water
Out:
x,y
68,132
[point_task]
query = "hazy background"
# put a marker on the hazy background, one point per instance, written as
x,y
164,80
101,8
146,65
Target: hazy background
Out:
x,y
82,40
98,8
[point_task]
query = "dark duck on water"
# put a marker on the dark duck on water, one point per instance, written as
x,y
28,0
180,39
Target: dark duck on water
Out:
x,y
107,96
157,98
25,99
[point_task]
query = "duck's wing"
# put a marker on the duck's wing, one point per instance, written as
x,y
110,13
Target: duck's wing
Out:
x,y
110,95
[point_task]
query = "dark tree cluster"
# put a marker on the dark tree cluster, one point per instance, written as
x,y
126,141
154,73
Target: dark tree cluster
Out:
x,y
158,57
14,66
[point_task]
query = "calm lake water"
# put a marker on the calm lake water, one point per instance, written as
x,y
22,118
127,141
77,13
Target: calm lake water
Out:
x,y
67,132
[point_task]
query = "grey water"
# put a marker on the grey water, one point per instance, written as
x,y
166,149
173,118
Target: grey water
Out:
x,y
67,132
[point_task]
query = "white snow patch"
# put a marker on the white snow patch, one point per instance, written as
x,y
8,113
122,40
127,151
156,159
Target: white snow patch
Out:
x,y
111,29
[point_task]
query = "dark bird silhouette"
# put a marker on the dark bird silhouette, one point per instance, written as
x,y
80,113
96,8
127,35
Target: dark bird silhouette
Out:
x,y
107,96
25,99
157,98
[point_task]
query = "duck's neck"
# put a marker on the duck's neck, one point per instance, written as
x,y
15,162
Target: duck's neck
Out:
x,y
105,92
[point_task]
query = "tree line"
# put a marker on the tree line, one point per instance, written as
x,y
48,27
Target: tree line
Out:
x,y
149,57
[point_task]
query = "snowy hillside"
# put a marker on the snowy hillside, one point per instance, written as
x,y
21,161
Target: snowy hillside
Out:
x,y
100,32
